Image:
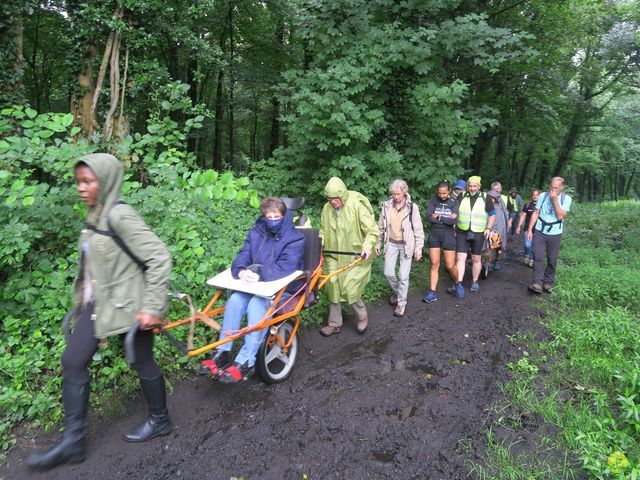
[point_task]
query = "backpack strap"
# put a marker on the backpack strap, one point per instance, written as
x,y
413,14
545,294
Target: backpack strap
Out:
x,y
411,215
110,232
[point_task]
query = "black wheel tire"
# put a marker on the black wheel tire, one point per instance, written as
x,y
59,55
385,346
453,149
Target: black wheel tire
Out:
x,y
273,365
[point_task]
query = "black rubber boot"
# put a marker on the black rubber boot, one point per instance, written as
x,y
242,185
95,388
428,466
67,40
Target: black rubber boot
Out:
x,y
72,447
158,422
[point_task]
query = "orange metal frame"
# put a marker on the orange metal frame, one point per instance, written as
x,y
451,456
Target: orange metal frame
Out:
x,y
316,280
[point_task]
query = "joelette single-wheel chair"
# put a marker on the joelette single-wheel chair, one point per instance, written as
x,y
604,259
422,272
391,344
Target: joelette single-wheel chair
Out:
x,y
278,351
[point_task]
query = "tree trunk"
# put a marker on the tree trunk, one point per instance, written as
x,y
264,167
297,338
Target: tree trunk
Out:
x,y
474,162
102,72
579,184
11,52
217,128
569,142
114,86
528,155
254,129
122,122
275,101
217,124
81,106
629,182
37,94
543,172
232,80
275,125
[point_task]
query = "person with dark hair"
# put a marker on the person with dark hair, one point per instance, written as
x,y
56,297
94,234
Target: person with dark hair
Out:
x,y
272,250
122,279
514,206
545,230
458,189
401,237
524,221
442,213
347,224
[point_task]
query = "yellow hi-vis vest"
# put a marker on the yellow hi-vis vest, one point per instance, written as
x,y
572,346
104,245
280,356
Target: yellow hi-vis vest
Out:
x,y
475,219
504,200
514,202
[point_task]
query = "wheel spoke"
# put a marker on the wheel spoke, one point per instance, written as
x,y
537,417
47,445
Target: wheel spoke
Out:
x,y
284,359
273,354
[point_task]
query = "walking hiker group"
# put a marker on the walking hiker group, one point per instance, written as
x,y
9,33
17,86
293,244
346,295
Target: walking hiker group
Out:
x,y
124,273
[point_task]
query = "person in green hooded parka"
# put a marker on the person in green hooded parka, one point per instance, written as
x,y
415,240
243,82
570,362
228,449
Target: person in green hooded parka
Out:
x,y
347,225
113,289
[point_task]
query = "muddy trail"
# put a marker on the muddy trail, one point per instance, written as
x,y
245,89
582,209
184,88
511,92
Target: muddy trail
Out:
x,y
410,399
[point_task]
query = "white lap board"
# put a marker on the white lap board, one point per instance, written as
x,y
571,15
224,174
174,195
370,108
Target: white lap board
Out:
x,y
261,289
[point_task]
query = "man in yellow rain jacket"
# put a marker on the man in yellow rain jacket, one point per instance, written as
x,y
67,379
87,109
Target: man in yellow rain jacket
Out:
x,y
347,225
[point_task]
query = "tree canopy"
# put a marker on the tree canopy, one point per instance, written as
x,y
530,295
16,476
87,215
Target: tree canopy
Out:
x,y
293,92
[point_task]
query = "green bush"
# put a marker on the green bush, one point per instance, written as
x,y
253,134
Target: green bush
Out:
x,y
202,216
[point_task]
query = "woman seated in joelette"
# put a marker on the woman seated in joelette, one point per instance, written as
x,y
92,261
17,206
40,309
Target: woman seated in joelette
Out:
x,y
272,250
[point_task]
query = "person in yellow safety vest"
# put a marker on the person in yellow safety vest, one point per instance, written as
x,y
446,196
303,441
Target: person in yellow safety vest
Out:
x,y
476,217
515,202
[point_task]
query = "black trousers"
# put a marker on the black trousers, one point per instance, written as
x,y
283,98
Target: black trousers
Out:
x,y
81,346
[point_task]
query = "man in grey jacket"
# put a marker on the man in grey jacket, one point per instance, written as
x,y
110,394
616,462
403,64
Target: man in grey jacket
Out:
x,y
402,235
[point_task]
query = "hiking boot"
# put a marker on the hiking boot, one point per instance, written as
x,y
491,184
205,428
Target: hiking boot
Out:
x,y
531,262
399,311
459,289
329,330
474,287
547,288
431,296
236,373
497,266
525,260
393,300
535,287
214,365
362,324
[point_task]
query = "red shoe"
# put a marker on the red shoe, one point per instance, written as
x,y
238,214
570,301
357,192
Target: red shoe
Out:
x,y
216,364
236,373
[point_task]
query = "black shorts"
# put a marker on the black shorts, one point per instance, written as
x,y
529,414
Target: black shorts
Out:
x,y
441,238
463,243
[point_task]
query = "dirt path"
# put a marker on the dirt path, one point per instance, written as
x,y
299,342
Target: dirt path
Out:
x,y
410,399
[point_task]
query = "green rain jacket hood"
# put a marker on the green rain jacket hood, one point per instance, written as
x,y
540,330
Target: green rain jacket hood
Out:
x,y
350,229
108,170
336,188
120,289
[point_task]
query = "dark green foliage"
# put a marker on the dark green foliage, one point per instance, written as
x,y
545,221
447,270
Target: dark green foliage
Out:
x,y
378,100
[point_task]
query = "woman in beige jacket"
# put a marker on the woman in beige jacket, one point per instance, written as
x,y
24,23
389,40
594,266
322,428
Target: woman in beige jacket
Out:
x,y
402,236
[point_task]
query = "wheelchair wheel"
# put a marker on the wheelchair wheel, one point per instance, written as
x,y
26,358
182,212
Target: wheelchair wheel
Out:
x,y
274,363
